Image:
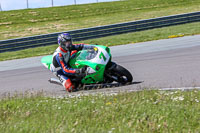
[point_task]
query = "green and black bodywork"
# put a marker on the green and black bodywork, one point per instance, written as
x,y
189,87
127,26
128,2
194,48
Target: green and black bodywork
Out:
x,y
100,68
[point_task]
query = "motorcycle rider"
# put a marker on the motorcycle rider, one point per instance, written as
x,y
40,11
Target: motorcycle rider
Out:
x,y
61,60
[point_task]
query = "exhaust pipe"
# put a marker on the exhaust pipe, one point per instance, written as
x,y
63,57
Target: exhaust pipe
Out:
x,y
55,81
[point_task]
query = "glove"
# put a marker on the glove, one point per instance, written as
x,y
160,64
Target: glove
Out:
x,y
81,70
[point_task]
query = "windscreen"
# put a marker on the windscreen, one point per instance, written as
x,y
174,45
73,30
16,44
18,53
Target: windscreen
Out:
x,y
87,53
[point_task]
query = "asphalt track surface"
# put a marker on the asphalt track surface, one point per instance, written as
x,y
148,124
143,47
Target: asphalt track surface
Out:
x,y
168,63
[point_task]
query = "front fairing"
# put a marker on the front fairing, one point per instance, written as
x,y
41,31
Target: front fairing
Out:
x,y
96,58
95,55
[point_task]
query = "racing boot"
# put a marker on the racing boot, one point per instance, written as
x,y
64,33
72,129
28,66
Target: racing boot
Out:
x,y
66,82
68,85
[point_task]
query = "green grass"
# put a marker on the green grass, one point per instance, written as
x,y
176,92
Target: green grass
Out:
x,y
21,23
148,35
145,111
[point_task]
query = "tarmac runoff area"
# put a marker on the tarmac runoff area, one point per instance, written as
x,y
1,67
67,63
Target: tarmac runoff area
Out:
x,y
162,64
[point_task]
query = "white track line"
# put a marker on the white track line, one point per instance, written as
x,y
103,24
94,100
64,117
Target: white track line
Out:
x,y
180,88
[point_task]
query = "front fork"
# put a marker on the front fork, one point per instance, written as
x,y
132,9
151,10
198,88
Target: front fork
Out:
x,y
109,69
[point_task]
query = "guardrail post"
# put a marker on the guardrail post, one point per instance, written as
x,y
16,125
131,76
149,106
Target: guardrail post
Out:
x,y
27,3
0,7
52,3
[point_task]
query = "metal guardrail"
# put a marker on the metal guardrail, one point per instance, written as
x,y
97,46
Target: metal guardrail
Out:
x,y
100,31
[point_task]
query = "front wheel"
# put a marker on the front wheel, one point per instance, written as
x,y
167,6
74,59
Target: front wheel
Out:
x,y
120,75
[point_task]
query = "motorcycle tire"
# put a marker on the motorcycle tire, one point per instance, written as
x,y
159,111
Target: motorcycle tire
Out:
x,y
122,74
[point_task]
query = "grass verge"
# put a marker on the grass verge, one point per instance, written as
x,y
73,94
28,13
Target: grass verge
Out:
x,y
148,35
28,22
145,111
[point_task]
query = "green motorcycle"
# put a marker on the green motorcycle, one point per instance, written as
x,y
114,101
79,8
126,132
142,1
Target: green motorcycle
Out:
x,y
100,68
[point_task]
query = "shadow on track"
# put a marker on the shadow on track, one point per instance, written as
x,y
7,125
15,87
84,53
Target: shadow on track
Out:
x,y
95,86
107,85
